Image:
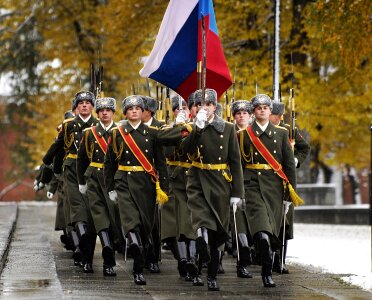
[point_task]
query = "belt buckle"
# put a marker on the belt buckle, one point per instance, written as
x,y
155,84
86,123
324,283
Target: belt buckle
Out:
x,y
209,167
265,167
134,168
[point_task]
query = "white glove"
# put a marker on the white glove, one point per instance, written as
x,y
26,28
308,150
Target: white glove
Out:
x,y
83,188
296,162
38,185
113,195
49,195
201,118
181,118
235,202
286,205
58,176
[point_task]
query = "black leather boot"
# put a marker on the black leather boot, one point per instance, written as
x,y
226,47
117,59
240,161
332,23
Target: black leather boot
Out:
x,y
266,259
220,267
192,261
139,278
76,255
108,253
202,245
135,244
244,253
212,284
182,261
108,271
82,232
88,267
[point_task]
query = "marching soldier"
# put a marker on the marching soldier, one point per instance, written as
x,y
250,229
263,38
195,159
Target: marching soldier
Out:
x,y
241,112
153,253
130,170
91,182
301,152
68,143
268,159
193,108
214,182
179,163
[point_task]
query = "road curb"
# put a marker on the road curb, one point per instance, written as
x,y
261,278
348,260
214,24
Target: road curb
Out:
x,y
8,220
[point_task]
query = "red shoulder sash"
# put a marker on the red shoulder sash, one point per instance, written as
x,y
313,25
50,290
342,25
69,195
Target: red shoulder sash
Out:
x,y
100,139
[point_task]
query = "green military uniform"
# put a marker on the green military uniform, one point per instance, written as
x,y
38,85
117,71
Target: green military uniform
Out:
x,y
301,152
135,188
90,170
69,140
264,190
209,190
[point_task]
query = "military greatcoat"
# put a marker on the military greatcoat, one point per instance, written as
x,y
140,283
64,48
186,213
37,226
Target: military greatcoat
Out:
x,y
90,171
135,189
301,152
264,190
69,140
214,177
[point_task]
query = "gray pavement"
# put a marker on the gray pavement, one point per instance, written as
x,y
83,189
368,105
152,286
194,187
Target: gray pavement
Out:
x,y
37,267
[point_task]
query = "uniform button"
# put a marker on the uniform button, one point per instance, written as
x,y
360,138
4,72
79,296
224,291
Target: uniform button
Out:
x,y
259,173
221,136
99,169
274,141
146,150
77,141
274,132
128,173
147,140
221,147
75,132
274,151
201,146
128,162
255,153
219,158
127,152
96,150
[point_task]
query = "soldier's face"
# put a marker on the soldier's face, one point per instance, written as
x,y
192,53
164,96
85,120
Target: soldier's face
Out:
x,y
185,109
105,115
84,108
193,111
134,113
275,119
210,108
262,112
242,118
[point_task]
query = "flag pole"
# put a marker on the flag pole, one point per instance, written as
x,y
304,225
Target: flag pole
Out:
x,y
276,66
204,61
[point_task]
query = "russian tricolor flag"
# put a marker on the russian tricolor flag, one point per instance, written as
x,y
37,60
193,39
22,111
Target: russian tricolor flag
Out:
x,y
178,48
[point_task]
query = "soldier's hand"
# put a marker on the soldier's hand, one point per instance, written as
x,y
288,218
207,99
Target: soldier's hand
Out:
x,y
50,195
113,195
201,118
38,185
181,118
83,188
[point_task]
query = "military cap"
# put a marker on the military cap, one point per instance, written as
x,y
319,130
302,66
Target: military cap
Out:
x,y
68,114
176,101
73,104
150,103
210,96
239,105
105,102
261,99
84,95
191,100
278,108
130,101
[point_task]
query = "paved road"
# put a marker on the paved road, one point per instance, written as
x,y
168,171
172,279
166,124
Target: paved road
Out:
x,y
37,267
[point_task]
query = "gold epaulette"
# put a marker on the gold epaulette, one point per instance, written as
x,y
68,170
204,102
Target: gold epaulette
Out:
x,y
189,127
86,129
116,127
153,127
68,120
281,127
229,122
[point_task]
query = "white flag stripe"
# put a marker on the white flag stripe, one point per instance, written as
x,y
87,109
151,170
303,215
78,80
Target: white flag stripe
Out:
x,y
178,11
